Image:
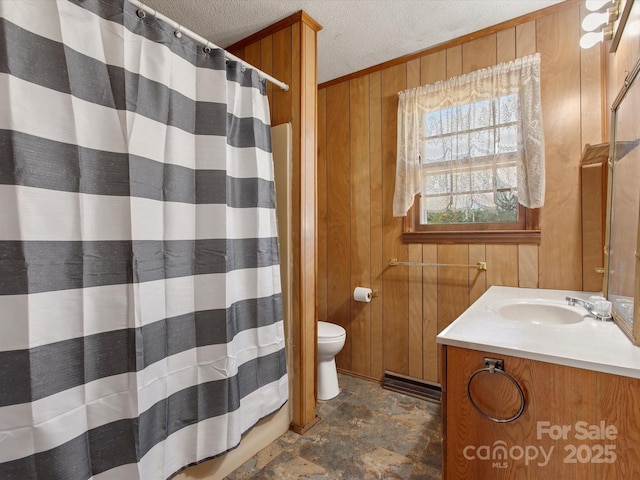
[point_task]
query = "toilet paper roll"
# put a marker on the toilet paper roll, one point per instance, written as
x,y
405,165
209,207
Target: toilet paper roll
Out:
x,y
362,294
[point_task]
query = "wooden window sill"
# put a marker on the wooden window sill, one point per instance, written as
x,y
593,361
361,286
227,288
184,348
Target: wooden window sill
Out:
x,y
474,236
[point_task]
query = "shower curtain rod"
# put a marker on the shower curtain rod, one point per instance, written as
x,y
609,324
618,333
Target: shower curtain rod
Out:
x,y
205,43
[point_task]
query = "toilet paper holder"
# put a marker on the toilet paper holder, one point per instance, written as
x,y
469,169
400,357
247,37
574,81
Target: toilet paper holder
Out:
x,y
364,294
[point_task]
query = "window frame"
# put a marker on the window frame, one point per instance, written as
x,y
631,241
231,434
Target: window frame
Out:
x,y
525,230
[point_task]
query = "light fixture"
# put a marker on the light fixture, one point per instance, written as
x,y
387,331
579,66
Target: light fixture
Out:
x,y
597,19
590,39
594,20
595,5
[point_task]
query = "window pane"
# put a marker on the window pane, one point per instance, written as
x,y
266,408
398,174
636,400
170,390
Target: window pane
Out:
x,y
482,180
469,162
507,107
481,144
507,139
481,114
507,177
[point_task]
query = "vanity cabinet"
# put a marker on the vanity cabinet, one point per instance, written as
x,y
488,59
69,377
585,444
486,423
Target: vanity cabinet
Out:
x,y
576,424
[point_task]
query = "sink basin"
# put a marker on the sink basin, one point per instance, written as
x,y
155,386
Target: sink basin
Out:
x,y
538,311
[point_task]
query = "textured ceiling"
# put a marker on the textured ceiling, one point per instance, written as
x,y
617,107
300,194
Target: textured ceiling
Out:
x,y
356,34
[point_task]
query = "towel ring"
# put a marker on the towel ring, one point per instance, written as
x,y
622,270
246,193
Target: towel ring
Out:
x,y
494,366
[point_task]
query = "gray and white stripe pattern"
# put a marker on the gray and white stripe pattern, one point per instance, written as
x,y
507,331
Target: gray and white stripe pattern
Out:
x,y
140,305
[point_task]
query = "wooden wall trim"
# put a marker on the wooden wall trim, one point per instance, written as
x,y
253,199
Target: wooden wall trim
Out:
x,y
455,42
306,19
298,17
473,236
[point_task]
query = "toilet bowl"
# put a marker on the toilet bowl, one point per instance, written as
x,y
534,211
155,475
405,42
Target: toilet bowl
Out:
x,y
331,338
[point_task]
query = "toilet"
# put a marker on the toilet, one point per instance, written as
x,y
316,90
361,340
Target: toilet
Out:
x,y
331,338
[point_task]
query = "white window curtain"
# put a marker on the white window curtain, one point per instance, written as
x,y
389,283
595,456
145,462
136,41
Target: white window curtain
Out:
x,y
507,96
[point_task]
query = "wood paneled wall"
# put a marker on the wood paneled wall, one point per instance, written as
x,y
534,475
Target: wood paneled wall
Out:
x,y
287,50
356,176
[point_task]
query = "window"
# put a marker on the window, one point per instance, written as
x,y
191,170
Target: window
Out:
x,y
471,153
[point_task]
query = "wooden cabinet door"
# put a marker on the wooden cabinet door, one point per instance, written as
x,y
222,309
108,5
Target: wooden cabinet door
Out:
x,y
577,424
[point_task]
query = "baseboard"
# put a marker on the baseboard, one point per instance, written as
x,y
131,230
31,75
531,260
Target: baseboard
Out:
x,y
412,386
302,429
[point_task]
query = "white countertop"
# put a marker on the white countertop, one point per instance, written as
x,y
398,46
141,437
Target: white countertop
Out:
x,y
589,344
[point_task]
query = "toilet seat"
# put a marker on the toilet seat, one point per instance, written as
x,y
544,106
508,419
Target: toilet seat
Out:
x,y
330,331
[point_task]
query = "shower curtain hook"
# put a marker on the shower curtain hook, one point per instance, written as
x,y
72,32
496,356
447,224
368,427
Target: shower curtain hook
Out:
x,y
178,33
207,48
141,13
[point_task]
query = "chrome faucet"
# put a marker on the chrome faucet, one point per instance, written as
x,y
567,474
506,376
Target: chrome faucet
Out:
x,y
600,310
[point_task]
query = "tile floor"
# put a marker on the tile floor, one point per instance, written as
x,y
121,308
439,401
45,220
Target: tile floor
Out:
x,y
366,432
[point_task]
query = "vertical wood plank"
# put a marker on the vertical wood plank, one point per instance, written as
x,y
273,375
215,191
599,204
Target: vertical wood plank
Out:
x,y
266,65
304,106
477,278
453,284
323,266
377,258
528,266
454,61
415,312
433,67
502,265
252,54
413,73
430,314
415,273
592,91
290,104
395,279
282,69
593,177
479,53
338,214
360,222
557,37
506,45
592,199
526,39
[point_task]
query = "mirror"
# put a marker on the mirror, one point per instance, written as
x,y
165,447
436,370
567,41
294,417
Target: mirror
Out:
x,y
624,211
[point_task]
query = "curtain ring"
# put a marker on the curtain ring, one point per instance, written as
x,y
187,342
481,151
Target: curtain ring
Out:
x,y
141,13
207,48
178,33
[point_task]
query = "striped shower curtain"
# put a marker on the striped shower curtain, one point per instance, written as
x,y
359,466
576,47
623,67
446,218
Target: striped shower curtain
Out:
x,y
140,305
